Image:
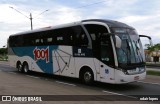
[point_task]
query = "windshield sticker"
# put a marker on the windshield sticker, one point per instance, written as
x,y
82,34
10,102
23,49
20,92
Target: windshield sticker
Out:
x,y
120,30
124,37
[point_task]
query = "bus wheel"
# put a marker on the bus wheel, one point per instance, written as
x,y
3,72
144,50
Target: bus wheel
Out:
x,y
19,67
88,77
25,68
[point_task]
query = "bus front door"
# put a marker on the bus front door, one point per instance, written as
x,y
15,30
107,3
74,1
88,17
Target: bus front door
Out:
x,y
107,63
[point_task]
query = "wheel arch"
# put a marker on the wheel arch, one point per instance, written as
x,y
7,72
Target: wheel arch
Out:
x,y
83,69
26,63
18,62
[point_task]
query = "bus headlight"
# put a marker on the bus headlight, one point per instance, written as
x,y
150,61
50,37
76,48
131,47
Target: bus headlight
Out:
x,y
141,69
136,71
124,71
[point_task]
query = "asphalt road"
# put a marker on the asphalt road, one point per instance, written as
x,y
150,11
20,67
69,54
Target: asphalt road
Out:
x,y
15,83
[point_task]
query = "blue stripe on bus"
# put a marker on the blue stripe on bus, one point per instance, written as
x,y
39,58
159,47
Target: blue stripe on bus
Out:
x,y
45,65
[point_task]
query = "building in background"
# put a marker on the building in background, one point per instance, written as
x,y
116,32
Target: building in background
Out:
x,y
152,56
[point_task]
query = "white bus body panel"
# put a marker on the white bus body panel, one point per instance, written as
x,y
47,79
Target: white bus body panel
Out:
x,y
105,73
120,77
63,61
82,61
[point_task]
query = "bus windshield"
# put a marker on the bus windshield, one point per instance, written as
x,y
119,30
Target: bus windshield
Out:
x,y
131,51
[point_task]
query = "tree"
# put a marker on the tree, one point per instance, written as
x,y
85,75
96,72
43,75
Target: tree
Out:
x,y
154,48
3,51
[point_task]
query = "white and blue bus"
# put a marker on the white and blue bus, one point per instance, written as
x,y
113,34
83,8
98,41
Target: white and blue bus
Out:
x,y
92,50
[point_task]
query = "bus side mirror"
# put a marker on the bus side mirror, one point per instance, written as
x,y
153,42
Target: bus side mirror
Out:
x,y
118,41
150,39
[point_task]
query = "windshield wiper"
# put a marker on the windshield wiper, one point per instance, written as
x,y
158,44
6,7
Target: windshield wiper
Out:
x,y
128,54
138,51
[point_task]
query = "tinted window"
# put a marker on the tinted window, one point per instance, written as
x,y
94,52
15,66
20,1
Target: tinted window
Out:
x,y
102,46
16,41
64,36
80,38
106,51
96,31
71,36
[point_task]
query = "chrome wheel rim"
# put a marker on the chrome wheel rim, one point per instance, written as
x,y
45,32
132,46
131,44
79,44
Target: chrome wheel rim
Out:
x,y
87,76
25,69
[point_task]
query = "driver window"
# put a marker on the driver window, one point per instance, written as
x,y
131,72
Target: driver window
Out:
x,y
80,37
106,51
102,47
95,32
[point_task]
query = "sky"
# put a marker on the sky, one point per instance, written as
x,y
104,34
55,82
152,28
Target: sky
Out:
x,y
143,15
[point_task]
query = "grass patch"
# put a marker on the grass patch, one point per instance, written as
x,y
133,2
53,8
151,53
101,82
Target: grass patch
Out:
x,y
151,72
153,64
3,57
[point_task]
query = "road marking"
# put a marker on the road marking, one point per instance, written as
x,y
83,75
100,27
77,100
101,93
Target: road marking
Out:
x,y
111,92
32,76
4,64
12,72
65,83
7,66
114,93
148,82
46,79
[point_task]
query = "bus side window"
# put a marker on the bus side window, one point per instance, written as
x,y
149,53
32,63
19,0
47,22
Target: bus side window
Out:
x,y
12,41
95,32
80,38
68,36
37,41
39,38
49,40
83,40
16,41
58,37
63,36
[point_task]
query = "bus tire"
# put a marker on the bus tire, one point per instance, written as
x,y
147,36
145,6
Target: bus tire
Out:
x,y
25,68
19,67
87,76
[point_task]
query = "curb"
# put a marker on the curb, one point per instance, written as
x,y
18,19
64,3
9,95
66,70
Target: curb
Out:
x,y
153,66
